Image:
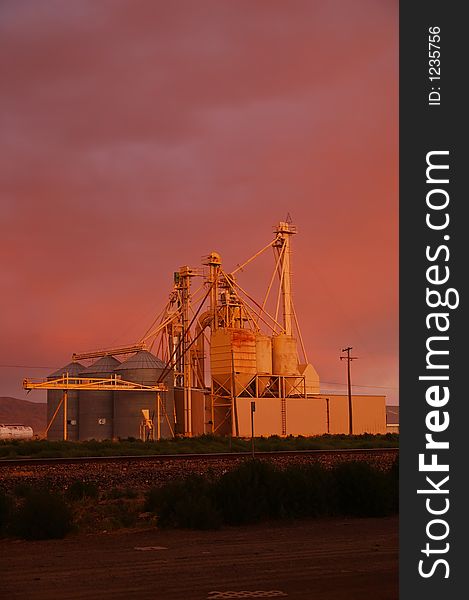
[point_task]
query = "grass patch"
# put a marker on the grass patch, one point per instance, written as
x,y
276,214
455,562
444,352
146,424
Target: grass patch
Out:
x,y
11,449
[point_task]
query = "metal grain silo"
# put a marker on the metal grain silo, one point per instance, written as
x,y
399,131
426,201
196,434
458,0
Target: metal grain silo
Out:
x,y
233,354
284,355
233,368
145,368
263,354
54,397
285,362
96,407
263,361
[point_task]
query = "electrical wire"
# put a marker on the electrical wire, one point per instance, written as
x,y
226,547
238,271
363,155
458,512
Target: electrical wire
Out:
x,y
27,367
355,385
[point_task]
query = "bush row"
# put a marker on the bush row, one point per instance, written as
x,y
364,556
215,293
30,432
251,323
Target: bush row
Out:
x,y
258,490
254,491
37,513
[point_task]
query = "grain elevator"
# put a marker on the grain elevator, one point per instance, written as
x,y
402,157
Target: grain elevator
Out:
x,y
212,352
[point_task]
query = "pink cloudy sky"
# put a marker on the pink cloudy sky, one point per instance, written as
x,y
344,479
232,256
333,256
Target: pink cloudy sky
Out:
x,y
138,136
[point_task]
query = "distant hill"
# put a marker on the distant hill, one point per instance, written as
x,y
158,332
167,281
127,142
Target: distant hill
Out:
x,y
22,412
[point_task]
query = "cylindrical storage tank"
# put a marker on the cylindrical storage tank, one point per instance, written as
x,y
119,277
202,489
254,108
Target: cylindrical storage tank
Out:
x,y
54,397
233,368
144,368
263,354
284,355
263,361
96,407
16,432
233,351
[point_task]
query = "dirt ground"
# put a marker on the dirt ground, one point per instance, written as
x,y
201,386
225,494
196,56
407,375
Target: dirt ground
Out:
x,y
327,559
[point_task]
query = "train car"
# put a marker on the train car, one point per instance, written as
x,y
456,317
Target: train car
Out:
x,y
15,432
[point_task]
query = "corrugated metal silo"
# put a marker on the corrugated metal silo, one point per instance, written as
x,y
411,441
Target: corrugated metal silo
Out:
x,y
285,360
233,351
284,355
56,431
145,368
263,354
263,360
96,407
233,366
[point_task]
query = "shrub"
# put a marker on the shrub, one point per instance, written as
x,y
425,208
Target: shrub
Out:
x,y
82,489
186,503
42,515
22,490
252,491
360,490
119,492
121,513
393,482
258,490
307,491
6,507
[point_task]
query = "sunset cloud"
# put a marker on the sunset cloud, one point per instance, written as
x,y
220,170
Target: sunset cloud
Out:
x,y
139,136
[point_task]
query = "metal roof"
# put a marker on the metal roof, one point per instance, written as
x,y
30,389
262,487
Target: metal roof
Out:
x,y
141,360
106,364
73,368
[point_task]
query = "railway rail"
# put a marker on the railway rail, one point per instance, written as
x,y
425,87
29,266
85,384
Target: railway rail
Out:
x,y
202,456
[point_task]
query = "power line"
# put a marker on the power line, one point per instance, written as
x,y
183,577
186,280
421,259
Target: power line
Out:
x,y
381,387
27,367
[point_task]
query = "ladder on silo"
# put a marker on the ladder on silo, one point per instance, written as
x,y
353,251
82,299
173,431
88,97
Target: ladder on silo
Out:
x,y
284,416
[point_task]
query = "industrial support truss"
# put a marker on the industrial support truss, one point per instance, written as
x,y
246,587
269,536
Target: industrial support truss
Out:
x,y
113,383
68,383
264,386
260,386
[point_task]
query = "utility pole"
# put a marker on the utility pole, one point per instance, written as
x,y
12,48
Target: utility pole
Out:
x,y
349,359
253,410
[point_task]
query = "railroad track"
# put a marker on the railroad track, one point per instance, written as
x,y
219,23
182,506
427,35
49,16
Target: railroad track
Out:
x,y
199,456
